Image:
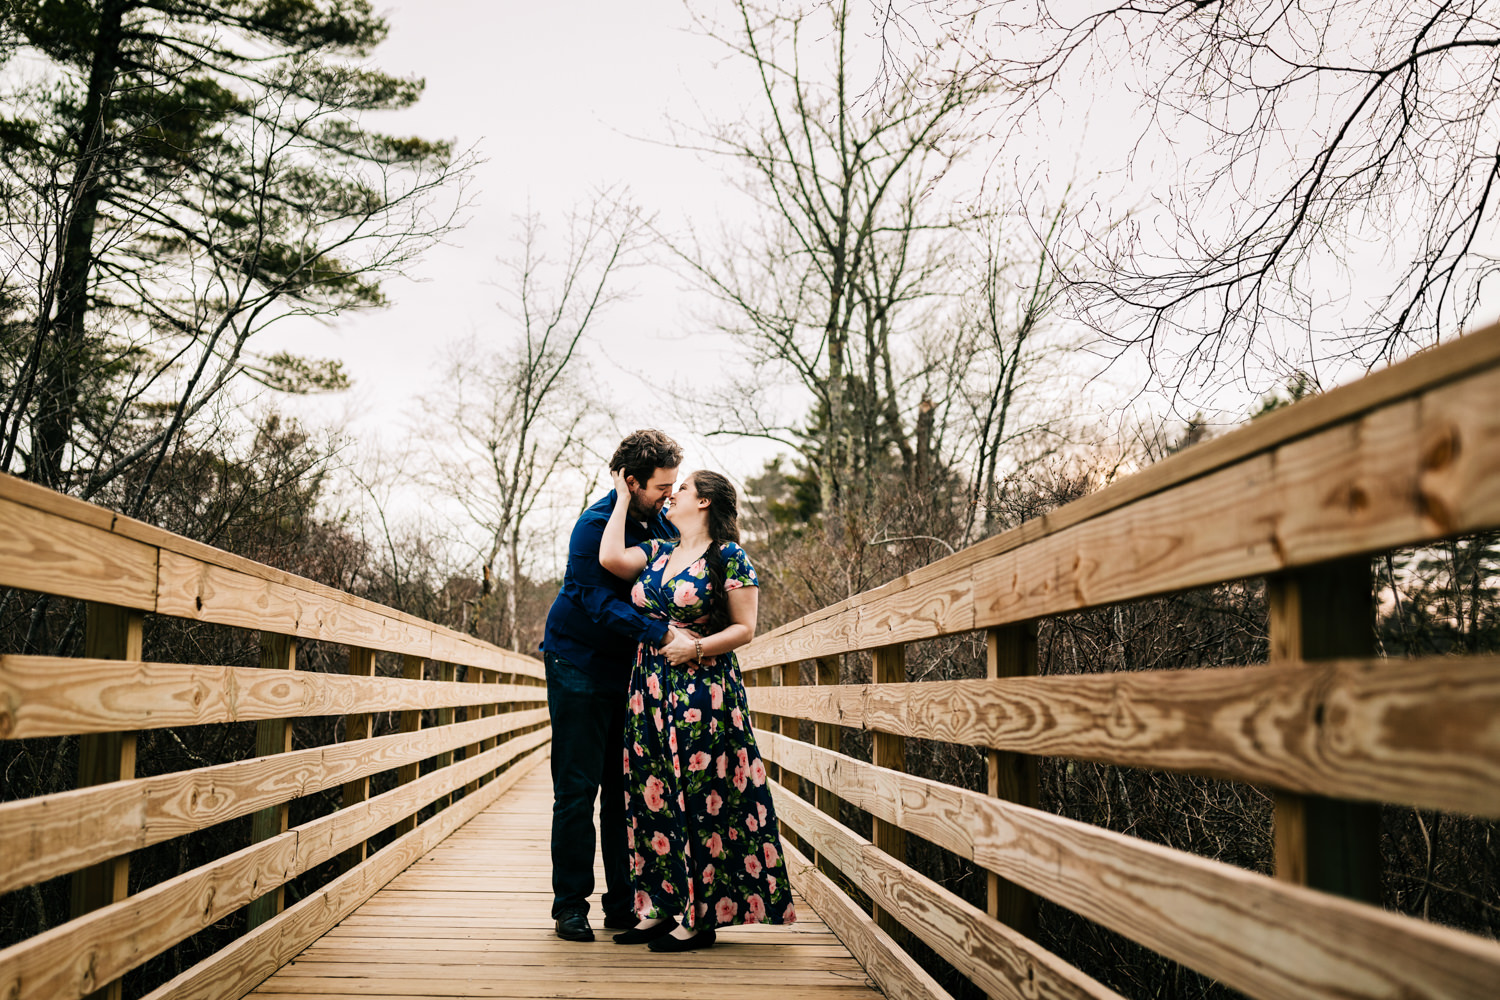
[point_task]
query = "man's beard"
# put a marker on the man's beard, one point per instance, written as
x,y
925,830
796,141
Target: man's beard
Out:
x,y
640,511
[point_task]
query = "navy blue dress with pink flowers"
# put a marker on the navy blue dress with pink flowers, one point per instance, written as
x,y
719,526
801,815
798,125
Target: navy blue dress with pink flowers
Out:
x,y
702,826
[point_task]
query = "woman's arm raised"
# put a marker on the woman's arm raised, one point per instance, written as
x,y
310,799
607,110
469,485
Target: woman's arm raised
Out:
x,y
625,563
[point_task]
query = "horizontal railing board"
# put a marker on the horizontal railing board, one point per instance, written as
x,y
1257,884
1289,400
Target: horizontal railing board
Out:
x,y
1264,937
1420,469
202,591
895,972
238,968
994,957
56,696
76,958
53,835
1411,732
60,545
1422,373
54,556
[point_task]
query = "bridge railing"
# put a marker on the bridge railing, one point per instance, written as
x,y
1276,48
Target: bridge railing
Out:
x,y
1302,497
489,729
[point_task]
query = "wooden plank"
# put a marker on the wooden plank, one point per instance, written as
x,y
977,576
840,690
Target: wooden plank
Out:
x,y
203,590
1011,652
889,750
272,736
235,970
357,728
412,669
1319,613
445,717
1221,920
55,696
1414,732
60,545
993,956
896,973
1423,374
42,552
826,672
110,632
470,715
1414,471
790,675
71,961
52,835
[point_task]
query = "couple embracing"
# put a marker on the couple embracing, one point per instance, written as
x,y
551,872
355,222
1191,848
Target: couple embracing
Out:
x,y
648,712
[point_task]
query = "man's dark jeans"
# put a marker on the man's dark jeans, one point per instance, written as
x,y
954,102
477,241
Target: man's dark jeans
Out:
x,y
588,747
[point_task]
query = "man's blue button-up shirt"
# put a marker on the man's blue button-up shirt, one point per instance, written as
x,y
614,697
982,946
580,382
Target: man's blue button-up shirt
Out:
x,y
592,623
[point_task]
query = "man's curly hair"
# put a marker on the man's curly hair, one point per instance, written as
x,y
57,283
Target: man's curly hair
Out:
x,y
643,452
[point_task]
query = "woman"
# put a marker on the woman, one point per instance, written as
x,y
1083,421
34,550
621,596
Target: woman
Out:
x,y
702,828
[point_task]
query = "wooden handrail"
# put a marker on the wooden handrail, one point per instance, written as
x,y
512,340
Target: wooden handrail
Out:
x,y
62,546
1303,497
126,569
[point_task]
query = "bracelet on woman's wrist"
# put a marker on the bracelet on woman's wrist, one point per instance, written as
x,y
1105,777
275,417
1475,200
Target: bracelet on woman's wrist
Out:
x,y
698,645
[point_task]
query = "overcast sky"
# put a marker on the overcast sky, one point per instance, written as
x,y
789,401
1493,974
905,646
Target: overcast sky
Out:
x,y
561,100
564,99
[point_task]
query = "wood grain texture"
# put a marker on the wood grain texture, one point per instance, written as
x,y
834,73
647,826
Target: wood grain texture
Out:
x,y
896,973
71,961
1420,466
60,545
993,956
235,970
272,736
1218,919
1414,732
471,918
39,551
52,835
1011,652
56,696
1318,613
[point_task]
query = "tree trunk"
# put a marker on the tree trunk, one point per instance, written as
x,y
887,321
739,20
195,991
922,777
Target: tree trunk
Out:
x,y
58,396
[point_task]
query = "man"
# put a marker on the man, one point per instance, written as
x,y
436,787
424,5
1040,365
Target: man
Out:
x,y
589,649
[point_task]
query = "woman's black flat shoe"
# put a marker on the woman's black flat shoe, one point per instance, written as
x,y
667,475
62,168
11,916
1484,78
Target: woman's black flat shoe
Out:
x,y
703,939
637,936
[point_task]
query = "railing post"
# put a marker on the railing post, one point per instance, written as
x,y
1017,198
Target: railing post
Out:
x,y
272,736
474,712
447,672
1319,613
411,722
110,633
790,675
359,726
1011,652
889,750
826,735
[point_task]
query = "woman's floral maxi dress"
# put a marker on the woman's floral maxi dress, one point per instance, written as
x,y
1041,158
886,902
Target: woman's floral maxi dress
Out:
x,y
702,827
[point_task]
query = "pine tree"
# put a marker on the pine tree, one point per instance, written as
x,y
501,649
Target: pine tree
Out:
x,y
177,174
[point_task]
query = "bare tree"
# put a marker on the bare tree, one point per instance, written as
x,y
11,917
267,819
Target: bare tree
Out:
x,y
1301,129
852,235
995,357
513,412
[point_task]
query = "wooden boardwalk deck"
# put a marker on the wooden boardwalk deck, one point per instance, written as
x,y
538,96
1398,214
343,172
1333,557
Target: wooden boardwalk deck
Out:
x,y
470,919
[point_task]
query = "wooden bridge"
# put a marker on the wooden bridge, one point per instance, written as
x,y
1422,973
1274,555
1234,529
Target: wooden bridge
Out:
x,y
451,899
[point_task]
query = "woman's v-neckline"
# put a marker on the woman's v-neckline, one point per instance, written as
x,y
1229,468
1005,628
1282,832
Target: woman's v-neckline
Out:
x,y
691,563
